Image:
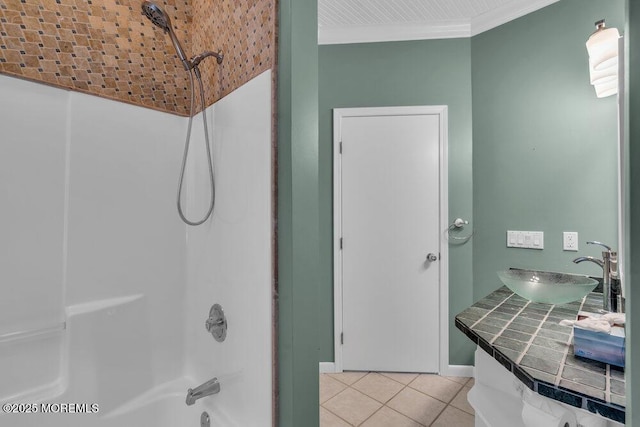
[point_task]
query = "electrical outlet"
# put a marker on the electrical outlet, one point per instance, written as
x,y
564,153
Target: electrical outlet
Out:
x,y
570,241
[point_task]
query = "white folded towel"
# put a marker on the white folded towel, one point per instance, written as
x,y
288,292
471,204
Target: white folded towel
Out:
x,y
614,318
597,322
590,324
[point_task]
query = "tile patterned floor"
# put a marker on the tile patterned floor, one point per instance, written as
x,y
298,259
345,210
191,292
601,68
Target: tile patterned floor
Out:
x,y
372,399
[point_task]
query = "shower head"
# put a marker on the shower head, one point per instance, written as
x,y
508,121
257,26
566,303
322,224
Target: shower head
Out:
x,y
156,15
159,18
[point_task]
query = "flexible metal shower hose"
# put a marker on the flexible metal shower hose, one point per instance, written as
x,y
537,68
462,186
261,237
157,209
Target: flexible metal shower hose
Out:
x,y
186,154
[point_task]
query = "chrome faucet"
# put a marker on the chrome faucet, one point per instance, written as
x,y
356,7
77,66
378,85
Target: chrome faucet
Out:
x,y
610,278
591,259
207,389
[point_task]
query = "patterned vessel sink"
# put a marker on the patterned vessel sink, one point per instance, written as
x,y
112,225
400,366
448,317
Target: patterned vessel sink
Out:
x,y
547,287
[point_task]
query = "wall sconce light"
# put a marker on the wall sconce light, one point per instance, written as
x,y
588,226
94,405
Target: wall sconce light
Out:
x,y
602,47
606,73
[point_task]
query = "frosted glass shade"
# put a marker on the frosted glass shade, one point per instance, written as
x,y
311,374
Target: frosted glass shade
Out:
x,y
606,89
603,48
605,75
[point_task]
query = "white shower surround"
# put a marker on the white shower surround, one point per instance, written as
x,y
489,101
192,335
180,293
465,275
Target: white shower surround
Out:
x,y
91,237
229,259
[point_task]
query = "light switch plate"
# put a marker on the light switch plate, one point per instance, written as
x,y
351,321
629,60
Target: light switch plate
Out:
x,y
525,239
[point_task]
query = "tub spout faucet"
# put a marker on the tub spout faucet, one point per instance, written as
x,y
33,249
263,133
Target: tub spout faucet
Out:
x,y
207,389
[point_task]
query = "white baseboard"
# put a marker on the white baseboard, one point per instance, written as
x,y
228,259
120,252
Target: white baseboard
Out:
x,y
450,370
327,367
459,371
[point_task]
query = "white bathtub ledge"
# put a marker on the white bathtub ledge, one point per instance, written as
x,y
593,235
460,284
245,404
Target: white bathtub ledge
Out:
x,y
101,304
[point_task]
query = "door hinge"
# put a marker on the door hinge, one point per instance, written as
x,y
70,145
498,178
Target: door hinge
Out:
x,y
341,243
340,147
341,337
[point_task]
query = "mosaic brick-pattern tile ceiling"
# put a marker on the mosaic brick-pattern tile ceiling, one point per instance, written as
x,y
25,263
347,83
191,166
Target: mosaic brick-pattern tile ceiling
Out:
x,y
108,48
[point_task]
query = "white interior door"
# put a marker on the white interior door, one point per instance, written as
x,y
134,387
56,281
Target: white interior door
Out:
x,y
390,221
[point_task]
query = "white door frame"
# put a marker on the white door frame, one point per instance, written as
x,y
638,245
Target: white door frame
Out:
x,y
443,265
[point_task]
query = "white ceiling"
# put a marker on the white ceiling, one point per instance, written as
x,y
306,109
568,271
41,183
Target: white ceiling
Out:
x,y
358,21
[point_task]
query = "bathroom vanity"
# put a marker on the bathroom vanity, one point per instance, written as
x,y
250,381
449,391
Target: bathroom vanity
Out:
x,y
523,349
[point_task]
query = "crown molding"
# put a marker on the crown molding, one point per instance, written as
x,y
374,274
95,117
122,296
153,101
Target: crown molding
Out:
x,y
430,30
506,13
394,32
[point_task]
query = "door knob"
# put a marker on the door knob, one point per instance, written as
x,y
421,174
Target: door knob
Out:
x,y
432,257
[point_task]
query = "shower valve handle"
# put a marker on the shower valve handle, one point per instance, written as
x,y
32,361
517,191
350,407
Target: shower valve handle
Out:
x,y
216,323
210,323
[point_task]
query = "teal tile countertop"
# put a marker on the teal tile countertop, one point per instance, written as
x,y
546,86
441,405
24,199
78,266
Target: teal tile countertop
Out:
x,y
526,338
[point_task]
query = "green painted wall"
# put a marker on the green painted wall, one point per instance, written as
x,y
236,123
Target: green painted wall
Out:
x,y
543,154
544,147
533,122
388,74
632,39
298,214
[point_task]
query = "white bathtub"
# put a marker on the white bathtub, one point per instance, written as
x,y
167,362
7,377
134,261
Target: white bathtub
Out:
x,y
137,283
162,407
106,377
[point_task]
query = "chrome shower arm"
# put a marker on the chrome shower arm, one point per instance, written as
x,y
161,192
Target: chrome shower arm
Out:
x,y
196,60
